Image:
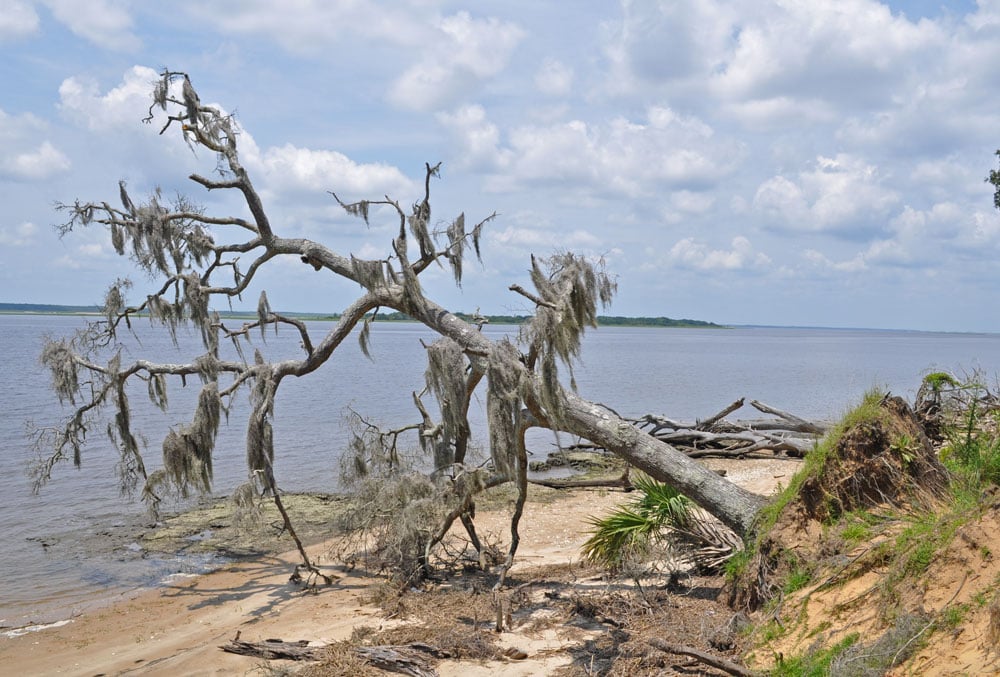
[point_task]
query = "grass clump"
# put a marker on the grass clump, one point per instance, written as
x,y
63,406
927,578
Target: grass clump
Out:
x,y
817,462
972,450
868,411
815,663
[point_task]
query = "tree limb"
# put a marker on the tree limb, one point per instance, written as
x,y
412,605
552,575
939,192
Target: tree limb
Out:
x,y
715,661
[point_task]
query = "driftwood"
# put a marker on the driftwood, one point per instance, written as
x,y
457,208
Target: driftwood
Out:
x,y
717,662
718,436
613,482
274,649
408,659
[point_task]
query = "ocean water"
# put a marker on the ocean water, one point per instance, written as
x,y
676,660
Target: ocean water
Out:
x,y
681,373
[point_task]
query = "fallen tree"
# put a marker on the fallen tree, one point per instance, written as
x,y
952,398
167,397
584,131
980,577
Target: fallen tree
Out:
x,y
200,263
717,436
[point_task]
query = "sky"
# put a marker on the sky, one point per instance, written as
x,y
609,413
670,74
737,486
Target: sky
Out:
x,y
796,162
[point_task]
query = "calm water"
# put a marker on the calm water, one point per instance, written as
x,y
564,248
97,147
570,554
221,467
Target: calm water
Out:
x,y
682,373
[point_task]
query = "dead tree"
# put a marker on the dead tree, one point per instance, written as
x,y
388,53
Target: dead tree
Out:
x,y
204,261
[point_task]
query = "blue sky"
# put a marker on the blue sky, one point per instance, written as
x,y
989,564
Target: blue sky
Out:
x,y
794,163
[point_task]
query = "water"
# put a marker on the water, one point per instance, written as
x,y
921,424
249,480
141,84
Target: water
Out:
x,y
681,373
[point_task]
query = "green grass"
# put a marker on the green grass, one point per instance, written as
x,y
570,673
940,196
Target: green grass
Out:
x,y
814,663
972,457
814,463
816,460
796,580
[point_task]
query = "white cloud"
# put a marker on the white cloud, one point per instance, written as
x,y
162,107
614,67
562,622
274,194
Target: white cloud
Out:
x,y
839,195
538,240
554,78
922,239
464,52
781,198
852,265
692,254
620,157
775,113
657,43
85,256
819,48
477,138
310,27
15,128
17,20
121,107
105,23
37,165
21,235
683,205
290,168
690,202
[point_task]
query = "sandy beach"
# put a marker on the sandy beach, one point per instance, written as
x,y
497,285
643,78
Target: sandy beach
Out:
x,y
178,629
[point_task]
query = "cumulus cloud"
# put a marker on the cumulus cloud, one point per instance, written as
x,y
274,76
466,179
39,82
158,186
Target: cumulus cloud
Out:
x,y
105,23
682,205
17,20
762,61
37,165
122,106
691,254
85,256
18,128
829,48
477,138
21,235
922,239
818,260
620,157
840,195
554,78
309,27
290,168
535,239
464,52
659,43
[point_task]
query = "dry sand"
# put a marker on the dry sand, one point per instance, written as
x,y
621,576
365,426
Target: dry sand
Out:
x,y
177,630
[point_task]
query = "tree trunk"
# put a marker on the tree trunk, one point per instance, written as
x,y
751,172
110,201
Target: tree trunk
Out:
x,y
735,507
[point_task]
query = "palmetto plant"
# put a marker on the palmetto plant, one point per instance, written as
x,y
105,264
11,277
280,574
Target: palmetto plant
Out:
x,y
660,521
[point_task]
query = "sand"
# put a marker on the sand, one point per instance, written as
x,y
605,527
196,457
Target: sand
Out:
x,y
178,629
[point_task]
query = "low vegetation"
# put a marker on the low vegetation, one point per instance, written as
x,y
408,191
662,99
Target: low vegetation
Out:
x,y
661,529
843,576
894,524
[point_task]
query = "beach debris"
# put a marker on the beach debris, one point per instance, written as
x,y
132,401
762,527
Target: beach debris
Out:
x,y
406,659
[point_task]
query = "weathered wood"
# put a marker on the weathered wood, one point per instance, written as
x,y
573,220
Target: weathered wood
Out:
x,y
409,659
736,507
716,436
717,662
274,649
610,482
406,660
712,420
761,424
804,424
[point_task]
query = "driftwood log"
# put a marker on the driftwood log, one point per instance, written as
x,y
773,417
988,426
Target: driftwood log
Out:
x,y
408,659
718,436
717,662
274,649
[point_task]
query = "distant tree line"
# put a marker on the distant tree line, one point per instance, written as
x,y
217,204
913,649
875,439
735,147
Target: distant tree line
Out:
x,y
602,320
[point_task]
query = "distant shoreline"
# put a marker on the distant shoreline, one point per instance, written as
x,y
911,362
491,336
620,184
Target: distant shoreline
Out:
x,y
603,321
